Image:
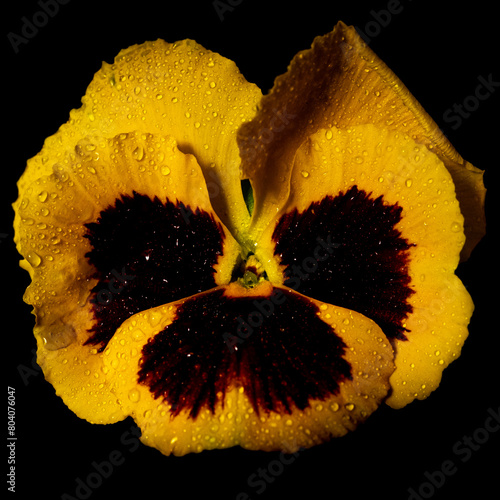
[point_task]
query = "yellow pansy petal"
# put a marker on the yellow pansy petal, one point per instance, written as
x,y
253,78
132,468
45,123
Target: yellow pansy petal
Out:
x,y
341,82
180,89
119,225
190,386
372,224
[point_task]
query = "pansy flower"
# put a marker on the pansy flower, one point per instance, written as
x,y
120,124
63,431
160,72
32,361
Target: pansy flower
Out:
x,y
233,269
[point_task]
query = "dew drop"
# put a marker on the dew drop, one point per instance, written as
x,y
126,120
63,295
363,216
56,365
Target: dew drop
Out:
x,y
34,259
408,183
334,407
164,170
329,134
58,335
456,227
381,179
43,196
305,174
134,395
138,153
350,406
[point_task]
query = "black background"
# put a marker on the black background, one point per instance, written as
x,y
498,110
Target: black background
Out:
x,y
439,50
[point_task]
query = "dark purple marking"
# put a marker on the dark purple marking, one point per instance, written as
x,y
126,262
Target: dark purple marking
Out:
x,y
345,251
285,355
148,253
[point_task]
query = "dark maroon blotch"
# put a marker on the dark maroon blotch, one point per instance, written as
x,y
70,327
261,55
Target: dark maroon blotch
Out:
x,y
288,357
363,262
147,253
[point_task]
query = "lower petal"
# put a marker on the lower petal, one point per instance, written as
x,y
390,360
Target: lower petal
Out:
x,y
264,368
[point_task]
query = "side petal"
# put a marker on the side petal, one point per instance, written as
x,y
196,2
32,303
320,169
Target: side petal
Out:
x,y
263,368
179,89
372,223
341,82
118,226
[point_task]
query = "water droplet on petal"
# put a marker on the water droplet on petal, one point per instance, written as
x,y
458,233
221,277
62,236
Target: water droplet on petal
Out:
x,y
58,335
164,170
305,174
34,259
134,395
43,196
138,153
350,406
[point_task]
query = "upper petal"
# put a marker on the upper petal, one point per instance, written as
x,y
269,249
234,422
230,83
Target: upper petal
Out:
x,y
340,82
179,89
